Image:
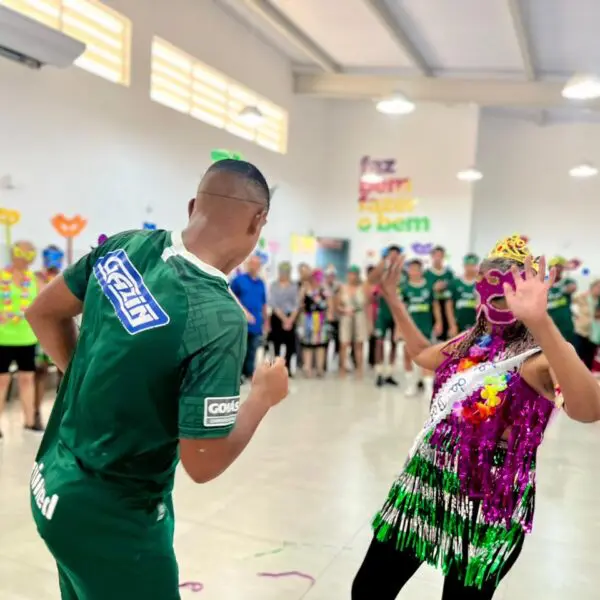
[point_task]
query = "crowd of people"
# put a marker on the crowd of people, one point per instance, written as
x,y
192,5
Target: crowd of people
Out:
x,y
152,378
324,317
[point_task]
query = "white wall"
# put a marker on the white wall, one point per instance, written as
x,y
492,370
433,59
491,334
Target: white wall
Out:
x,y
527,189
430,146
76,143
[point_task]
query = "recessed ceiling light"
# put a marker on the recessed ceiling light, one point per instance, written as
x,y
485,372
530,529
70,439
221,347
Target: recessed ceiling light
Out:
x,y
397,104
582,87
583,170
470,174
251,116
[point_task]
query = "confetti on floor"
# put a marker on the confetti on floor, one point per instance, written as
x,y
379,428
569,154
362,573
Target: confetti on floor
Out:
x,y
289,574
193,586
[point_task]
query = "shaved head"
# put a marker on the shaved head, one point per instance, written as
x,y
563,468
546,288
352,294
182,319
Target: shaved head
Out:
x,y
235,180
228,213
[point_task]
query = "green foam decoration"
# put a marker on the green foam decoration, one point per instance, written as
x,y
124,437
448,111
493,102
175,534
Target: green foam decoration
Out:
x,y
220,154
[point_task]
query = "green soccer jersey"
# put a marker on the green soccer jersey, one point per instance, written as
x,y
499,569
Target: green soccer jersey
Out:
x,y
465,303
418,299
158,358
559,308
432,276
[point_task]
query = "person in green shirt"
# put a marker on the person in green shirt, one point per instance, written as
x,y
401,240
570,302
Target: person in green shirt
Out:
x,y
559,299
417,296
463,308
384,328
440,277
153,376
18,288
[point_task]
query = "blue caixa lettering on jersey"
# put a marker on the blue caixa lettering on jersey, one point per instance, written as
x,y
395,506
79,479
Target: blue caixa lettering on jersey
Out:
x,y
124,287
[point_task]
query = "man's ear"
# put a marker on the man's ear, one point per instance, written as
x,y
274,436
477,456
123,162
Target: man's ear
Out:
x,y
257,222
191,205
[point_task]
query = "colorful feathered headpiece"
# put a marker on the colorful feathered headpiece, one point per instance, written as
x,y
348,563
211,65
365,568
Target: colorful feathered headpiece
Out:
x,y
514,248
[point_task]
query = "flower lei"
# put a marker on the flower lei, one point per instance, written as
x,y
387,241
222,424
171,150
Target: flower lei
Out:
x,y
46,277
493,392
8,306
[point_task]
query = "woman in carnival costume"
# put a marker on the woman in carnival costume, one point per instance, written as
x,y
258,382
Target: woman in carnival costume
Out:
x,y
464,501
52,264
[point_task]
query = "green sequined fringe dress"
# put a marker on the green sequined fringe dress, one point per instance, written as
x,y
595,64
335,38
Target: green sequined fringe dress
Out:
x,y
427,514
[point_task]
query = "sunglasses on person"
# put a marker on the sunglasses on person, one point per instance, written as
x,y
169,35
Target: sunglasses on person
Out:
x,y
27,255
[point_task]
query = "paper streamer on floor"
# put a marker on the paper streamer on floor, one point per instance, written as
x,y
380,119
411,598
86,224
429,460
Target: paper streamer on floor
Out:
x,y
193,586
306,576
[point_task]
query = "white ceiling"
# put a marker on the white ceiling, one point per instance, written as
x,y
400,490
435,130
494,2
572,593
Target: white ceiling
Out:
x,y
508,54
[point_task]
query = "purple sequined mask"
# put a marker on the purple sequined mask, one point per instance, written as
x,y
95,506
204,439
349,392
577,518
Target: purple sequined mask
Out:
x,y
490,286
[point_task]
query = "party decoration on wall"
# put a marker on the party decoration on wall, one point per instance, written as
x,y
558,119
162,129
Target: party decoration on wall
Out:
x,y
8,219
422,249
102,238
303,244
573,264
149,226
272,190
68,228
52,258
306,576
273,246
585,272
385,200
217,155
192,586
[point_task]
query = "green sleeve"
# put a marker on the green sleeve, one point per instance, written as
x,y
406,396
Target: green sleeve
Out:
x,y
78,274
209,395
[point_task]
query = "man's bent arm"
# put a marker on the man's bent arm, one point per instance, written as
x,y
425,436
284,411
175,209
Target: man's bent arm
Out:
x,y
52,318
206,459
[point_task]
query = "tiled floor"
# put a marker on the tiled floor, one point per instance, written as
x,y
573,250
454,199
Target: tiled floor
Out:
x,y
301,498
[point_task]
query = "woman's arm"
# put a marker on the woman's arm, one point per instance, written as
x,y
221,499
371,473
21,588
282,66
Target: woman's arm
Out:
x,y
423,353
450,315
578,386
528,301
438,323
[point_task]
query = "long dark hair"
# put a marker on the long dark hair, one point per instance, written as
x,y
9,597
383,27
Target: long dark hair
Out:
x,y
517,337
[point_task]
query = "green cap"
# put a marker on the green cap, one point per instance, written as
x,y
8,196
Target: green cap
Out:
x,y
471,259
354,269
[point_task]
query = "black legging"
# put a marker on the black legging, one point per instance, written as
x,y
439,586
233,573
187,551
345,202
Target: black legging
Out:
x,y
385,571
280,337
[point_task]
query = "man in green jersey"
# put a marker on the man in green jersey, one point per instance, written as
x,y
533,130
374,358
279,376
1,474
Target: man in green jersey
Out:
x,y
417,296
439,278
559,299
153,375
462,310
384,328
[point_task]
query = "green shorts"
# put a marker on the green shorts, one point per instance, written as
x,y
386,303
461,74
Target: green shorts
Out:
x,y
106,545
384,324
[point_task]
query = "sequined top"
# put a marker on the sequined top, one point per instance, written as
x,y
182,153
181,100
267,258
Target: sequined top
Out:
x,y
468,437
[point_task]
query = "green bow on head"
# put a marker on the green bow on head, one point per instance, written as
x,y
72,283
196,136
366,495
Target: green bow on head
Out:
x,y
217,155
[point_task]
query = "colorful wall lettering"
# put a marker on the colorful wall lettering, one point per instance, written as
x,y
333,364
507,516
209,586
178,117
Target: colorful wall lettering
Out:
x,y
385,200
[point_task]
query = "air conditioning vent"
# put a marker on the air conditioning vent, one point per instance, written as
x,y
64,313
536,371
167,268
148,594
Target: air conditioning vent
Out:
x,y
33,44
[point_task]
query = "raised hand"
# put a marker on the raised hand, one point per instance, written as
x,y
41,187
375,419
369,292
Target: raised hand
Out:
x,y
390,279
528,301
271,381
